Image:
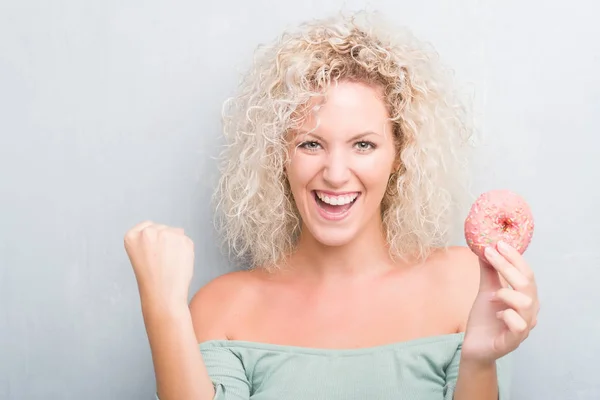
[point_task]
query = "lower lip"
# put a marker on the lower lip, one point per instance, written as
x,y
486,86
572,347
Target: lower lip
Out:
x,y
333,217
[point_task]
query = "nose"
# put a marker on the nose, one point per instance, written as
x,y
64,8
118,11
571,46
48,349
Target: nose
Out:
x,y
336,172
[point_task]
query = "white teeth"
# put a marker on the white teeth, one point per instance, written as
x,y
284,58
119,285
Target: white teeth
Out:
x,y
337,200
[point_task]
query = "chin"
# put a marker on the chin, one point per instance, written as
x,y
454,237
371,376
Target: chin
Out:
x,y
333,237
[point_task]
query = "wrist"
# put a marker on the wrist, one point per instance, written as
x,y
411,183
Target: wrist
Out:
x,y
153,304
477,379
473,365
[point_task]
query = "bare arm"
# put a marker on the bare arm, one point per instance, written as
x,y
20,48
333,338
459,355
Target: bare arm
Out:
x,y
476,382
163,258
489,335
468,378
178,366
175,333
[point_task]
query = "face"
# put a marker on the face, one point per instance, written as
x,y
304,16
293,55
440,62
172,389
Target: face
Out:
x,y
340,163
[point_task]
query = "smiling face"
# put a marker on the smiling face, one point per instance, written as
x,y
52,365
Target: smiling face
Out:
x,y
340,163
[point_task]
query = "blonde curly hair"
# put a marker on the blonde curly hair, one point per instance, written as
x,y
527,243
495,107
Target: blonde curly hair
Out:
x,y
255,210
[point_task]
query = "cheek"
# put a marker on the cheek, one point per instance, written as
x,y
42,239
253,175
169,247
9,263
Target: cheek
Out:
x,y
376,181
300,172
375,173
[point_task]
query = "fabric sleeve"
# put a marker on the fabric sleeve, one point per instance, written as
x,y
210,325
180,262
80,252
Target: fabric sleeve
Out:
x,y
227,374
503,369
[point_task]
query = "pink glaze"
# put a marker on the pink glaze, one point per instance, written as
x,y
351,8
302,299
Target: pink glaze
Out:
x,y
499,215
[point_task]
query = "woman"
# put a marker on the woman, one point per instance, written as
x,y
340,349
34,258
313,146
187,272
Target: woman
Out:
x,y
338,188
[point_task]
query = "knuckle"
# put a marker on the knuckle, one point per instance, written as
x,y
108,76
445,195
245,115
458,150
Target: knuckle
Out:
x,y
147,232
129,236
529,274
164,234
523,327
522,285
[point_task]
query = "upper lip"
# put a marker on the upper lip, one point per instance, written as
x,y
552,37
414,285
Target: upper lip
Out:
x,y
330,193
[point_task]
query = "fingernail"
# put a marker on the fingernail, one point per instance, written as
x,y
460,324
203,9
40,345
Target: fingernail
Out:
x,y
490,252
502,246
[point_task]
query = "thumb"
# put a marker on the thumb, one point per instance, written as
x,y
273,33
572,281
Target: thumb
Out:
x,y
489,280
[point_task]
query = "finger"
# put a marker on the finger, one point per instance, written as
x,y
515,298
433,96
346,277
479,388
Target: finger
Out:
x,y
177,231
489,279
141,226
518,301
514,322
515,258
513,276
135,231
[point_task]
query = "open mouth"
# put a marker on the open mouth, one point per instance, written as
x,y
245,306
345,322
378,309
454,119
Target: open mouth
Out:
x,y
335,206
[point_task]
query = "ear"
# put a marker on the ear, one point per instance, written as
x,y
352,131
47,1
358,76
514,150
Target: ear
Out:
x,y
396,166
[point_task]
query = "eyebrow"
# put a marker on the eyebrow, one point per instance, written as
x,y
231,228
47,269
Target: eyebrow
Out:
x,y
353,138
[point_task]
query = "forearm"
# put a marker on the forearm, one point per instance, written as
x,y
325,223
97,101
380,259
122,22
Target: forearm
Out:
x,y
476,381
178,366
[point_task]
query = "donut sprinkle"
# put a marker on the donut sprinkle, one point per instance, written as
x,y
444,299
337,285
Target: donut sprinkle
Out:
x,y
499,215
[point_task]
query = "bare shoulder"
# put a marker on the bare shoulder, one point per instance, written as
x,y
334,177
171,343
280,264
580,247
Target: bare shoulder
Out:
x,y
215,306
460,265
459,270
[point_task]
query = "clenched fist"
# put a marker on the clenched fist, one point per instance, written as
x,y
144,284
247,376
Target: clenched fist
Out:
x,y
163,261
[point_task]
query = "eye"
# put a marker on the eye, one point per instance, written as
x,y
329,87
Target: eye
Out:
x,y
365,146
309,145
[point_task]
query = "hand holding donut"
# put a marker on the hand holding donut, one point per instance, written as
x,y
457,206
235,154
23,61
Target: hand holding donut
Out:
x,y
163,259
499,229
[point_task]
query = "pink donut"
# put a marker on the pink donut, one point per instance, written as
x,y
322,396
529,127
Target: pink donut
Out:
x,y
499,215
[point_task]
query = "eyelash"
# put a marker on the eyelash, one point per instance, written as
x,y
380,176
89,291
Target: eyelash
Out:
x,y
303,145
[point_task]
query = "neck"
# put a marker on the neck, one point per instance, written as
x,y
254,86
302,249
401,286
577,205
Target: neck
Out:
x,y
366,255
